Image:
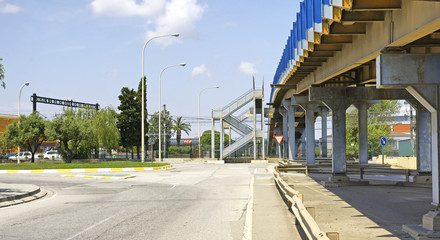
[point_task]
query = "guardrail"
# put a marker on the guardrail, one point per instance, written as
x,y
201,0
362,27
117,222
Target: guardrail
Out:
x,y
303,215
370,169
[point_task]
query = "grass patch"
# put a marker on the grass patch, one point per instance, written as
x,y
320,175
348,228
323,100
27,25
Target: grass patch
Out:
x,y
110,164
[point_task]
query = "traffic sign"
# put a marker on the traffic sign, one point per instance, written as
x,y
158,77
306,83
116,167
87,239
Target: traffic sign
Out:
x,y
187,141
383,141
279,138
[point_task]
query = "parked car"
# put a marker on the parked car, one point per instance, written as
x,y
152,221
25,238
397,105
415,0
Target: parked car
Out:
x,y
52,155
10,155
23,156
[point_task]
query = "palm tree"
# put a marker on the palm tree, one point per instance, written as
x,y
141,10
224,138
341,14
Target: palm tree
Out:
x,y
178,126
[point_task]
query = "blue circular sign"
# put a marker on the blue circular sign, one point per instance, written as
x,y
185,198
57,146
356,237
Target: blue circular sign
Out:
x,y
383,141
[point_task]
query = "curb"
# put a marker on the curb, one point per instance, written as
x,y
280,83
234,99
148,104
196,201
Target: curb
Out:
x,y
99,177
89,170
22,198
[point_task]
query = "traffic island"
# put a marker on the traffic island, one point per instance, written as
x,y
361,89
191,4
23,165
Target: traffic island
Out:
x,y
13,194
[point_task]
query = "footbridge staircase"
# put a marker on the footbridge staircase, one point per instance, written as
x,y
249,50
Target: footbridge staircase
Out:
x,y
248,133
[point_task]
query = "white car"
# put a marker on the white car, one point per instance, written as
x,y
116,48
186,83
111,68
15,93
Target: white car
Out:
x,y
23,156
52,155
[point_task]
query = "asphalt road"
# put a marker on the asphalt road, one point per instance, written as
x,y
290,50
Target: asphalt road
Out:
x,y
197,201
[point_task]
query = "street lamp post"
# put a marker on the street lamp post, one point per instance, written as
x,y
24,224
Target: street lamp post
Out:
x,y
143,94
19,97
199,113
160,83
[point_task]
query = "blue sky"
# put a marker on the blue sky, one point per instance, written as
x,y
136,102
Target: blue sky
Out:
x,y
88,50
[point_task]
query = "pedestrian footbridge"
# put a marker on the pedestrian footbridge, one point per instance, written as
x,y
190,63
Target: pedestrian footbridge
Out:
x,y
344,52
250,136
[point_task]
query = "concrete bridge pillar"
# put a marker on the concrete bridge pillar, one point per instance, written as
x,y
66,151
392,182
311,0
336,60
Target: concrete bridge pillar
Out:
x,y
335,99
291,141
323,112
303,141
310,109
284,113
362,107
423,142
419,75
423,138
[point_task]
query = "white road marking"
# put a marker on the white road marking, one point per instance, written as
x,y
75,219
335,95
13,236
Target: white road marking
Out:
x,y
87,229
247,232
172,187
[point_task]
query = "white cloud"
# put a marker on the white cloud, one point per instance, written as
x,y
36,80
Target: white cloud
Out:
x,y
201,70
164,16
248,68
9,8
123,8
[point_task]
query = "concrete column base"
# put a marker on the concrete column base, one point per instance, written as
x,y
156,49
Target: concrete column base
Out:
x,y
341,181
430,229
423,179
419,233
339,178
431,221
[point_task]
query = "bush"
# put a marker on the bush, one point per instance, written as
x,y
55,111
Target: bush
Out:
x,y
179,150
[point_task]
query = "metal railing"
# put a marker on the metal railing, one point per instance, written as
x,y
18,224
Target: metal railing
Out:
x,y
241,127
241,141
302,214
237,103
326,168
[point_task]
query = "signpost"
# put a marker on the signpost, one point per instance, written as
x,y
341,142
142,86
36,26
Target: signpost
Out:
x,y
383,142
279,139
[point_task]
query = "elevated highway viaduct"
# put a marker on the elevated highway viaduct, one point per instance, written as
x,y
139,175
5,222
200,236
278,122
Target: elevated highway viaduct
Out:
x,y
344,52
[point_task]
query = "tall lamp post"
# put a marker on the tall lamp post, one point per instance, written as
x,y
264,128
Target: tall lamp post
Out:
x,y
160,83
199,113
143,94
19,97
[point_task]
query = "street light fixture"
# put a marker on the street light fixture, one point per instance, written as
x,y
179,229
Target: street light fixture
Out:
x,y
160,83
199,113
19,97
143,93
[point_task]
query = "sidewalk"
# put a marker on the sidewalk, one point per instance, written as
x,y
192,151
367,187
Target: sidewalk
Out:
x,y
271,217
12,194
362,212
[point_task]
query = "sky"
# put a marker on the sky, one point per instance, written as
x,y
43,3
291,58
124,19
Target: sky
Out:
x,y
88,50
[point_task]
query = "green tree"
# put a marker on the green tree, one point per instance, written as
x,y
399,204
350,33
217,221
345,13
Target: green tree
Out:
x,y
28,134
73,129
5,145
379,117
166,127
205,140
138,125
105,129
178,126
2,75
127,118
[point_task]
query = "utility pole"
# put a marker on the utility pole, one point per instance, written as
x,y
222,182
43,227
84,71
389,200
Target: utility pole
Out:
x,y
164,131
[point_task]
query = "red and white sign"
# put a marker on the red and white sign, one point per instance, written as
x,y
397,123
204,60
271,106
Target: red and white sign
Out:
x,y
279,138
187,141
